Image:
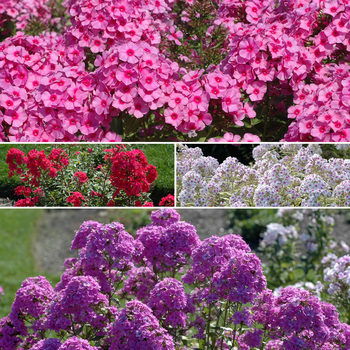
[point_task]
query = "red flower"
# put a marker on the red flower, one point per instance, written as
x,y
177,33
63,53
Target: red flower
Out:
x,y
76,199
82,177
167,201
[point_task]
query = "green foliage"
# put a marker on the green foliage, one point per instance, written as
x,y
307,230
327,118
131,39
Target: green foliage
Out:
x,y
250,223
208,46
162,157
331,151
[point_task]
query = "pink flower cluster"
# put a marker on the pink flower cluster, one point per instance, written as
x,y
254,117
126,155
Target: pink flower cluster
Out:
x,y
100,25
24,11
285,65
47,95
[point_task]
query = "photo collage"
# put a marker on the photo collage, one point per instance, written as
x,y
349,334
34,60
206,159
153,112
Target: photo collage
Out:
x,y
174,175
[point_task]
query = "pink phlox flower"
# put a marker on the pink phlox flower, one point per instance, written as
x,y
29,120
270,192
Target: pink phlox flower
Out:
x,y
61,84
250,138
17,93
51,98
97,45
238,116
100,20
249,110
257,90
101,103
333,7
342,135
130,52
248,49
89,124
121,8
150,96
54,128
265,74
150,60
127,73
334,34
132,32
139,108
15,54
243,72
126,92
319,130
111,137
175,36
199,100
71,123
15,117
231,101
173,116
21,75
177,99
160,6
148,79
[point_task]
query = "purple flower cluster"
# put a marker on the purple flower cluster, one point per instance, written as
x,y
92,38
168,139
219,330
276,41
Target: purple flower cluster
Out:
x,y
137,328
77,304
168,302
106,253
31,304
300,319
222,296
168,248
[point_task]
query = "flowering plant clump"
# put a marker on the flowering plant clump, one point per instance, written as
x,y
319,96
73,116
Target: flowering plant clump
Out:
x,y
295,245
99,177
286,175
165,289
334,285
174,70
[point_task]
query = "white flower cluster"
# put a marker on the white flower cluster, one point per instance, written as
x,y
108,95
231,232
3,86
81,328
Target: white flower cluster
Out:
x,y
278,233
282,175
337,276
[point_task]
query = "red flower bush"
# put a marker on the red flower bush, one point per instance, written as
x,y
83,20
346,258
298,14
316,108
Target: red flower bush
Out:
x,y
107,177
131,172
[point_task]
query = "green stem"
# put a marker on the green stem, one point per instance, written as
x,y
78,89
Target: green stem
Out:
x,y
208,326
144,128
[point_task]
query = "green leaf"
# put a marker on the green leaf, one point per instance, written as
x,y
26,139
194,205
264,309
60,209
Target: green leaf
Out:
x,y
132,125
255,121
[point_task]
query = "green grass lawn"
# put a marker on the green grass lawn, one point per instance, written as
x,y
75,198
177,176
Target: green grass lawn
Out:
x,y
17,232
162,157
